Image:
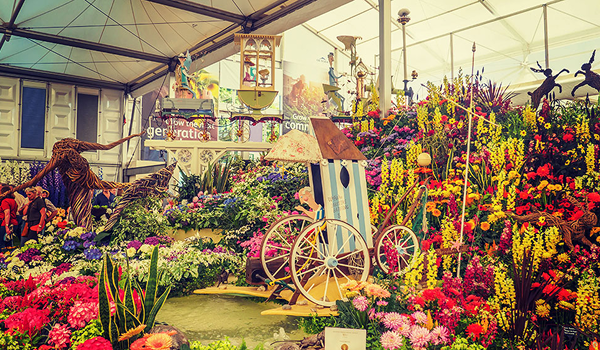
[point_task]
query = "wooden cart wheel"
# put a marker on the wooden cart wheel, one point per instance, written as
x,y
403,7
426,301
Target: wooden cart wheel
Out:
x,y
403,247
327,254
277,244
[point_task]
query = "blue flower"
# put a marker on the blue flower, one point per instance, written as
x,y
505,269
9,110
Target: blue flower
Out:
x,y
92,254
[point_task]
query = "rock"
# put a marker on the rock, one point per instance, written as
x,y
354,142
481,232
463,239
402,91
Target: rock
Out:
x,y
320,307
312,309
302,302
280,336
286,307
178,339
333,308
223,286
261,289
288,346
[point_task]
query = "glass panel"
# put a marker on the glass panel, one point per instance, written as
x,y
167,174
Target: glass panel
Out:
x,y
33,118
87,118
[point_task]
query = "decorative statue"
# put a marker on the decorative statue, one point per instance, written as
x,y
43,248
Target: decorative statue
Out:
x,y
571,230
591,78
332,89
153,185
183,73
350,44
78,178
316,212
546,87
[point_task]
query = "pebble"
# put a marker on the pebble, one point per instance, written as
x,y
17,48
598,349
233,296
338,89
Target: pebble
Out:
x,y
261,289
286,307
302,302
333,308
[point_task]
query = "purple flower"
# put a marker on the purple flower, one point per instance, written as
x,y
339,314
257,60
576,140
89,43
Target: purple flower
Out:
x,y
152,241
134,244
92,254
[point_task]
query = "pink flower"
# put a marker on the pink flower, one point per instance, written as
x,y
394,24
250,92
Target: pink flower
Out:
x,y
420,317
376,291
439,335
82,313
404,328
419,336
393,320
382,303
59,336
360,303
97,343
391,340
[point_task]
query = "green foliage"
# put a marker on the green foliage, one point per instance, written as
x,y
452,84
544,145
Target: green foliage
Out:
x,y
216,179
222,345
127,316
463,344
314,324
140,219
15,341
91,330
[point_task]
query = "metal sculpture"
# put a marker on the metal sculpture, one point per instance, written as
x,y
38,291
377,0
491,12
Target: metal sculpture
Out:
x,y
572,229
77,176
153,185
332,89
547,86
591,78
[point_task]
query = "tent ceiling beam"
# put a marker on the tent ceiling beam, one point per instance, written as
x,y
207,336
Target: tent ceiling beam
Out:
x,y
504,23
224,37
11,23
480,24
326,39
203,10
84,44
42,75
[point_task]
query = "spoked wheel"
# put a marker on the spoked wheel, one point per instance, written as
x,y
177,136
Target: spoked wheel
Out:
x,y
241,132
327,254
396,249
277,244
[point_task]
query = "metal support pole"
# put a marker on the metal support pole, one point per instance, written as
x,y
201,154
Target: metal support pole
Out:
x,y
404,58
385,56
452,56
545,9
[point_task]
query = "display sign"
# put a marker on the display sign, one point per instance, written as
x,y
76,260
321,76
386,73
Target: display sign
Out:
x,y
345,339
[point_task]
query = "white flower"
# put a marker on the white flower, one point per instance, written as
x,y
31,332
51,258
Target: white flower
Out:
x,y
131,252
146,248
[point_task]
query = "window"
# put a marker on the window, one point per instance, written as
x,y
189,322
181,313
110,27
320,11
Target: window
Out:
x,y
87,117
33,118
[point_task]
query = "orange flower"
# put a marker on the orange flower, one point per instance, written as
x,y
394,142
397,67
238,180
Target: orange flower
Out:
x,y
158,341
130,333
436,212
485,225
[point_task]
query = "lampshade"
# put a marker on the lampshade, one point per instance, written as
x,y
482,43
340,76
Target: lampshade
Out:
x,y
424,159
296,146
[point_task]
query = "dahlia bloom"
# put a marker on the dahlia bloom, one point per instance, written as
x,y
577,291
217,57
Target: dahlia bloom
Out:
x,y
391,340
393,320
439,335
420,317
419,336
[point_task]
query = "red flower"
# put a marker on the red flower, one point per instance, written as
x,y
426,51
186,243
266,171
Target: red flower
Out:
x,y
594,197
523,195
474,330
568,137
96,343
543,171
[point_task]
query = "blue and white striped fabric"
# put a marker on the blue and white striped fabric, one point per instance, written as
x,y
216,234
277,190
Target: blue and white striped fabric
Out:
x,y
348,204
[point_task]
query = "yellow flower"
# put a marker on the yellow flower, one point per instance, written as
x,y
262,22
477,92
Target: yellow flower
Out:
x,y
547,126
452,121
542,220
541,119
562,258
523,133
459,125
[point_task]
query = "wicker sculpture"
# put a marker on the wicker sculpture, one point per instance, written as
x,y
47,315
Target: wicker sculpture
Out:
x,y
547,86
573,230
591,78
153,185
77,176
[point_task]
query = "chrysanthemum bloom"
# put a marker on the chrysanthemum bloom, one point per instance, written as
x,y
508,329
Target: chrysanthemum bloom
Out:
x,y
392,320
439,335
59,336
391,340
404,328
420,317
360,303
96,343
419,336
159,341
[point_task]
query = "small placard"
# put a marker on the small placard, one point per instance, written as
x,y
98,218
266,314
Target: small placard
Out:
x,y
345,339
570,332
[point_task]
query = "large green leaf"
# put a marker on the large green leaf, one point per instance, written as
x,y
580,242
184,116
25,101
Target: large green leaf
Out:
x,y
155,309
103,301
151,284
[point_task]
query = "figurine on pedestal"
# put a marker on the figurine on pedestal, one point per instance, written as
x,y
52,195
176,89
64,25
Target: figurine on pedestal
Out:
x,y
332,89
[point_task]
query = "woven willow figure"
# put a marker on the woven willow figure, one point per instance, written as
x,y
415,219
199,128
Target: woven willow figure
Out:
x,y
153,185
78,178
573,230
